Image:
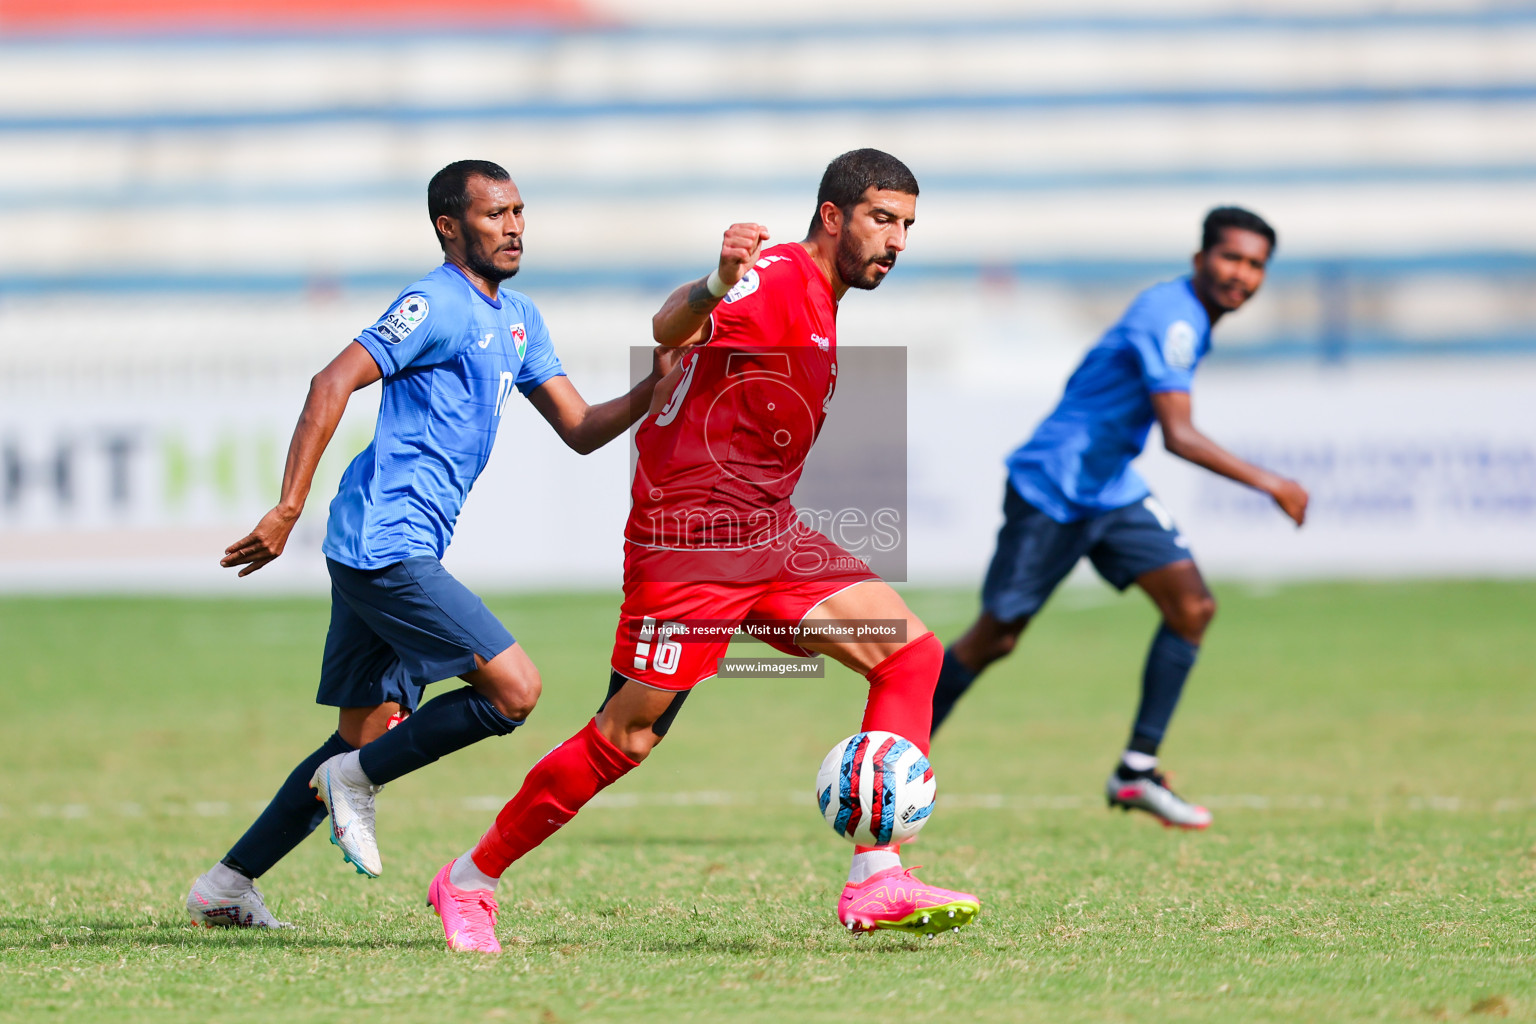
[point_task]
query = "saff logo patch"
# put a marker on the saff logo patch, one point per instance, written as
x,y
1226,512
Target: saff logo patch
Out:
x,y
519,339
746,286
1179,345
399,322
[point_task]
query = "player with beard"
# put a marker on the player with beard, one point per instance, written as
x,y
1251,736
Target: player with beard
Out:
x,y
713,542
450,350
1072,492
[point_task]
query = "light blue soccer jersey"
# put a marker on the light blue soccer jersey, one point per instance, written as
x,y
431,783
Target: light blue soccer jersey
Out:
x,y
450,359
1078,463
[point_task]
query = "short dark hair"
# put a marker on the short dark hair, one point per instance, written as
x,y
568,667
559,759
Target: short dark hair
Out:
x,y
847,178
448,191
1223,217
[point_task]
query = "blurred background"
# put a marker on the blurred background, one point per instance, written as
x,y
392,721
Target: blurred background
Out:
x,y
202,201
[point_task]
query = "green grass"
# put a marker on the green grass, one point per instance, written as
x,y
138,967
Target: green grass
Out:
x,y
1368,751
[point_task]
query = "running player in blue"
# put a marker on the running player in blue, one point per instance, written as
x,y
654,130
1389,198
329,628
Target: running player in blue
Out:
x,y
451,349
1072,492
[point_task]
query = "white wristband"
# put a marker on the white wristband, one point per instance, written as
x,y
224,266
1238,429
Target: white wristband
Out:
x,y
716,286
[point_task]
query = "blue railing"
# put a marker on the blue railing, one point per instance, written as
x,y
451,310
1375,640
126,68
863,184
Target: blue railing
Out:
x,y
784,106
137,194
1338,335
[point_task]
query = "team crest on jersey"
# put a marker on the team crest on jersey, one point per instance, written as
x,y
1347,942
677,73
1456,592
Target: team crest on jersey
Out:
x,y
746,286
399,322
519,339
1179,345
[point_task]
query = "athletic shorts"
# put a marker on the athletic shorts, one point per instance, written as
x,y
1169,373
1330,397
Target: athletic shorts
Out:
x,y
396,629
716,593
1035,552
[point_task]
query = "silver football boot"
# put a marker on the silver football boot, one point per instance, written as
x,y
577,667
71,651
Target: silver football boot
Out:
x,y
211,907
1150,793
351,809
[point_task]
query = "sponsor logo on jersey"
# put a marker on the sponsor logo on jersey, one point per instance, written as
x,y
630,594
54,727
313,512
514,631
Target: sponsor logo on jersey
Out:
x,y
1179,345
824,344
399,322
746,286
519,339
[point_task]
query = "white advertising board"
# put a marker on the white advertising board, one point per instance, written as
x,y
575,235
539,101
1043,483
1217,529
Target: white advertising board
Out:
x,y
1423,468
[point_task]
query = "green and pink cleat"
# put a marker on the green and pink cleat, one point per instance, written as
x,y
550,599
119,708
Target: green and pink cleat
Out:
x,y
893,899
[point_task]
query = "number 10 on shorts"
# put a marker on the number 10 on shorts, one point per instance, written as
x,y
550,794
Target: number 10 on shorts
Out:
x,y
668,651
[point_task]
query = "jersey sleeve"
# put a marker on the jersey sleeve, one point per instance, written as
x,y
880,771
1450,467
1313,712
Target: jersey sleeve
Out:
x,y
539,362
757,312
1166,349
417,330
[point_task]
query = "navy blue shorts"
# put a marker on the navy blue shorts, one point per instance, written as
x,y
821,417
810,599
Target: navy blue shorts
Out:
x,y
396,629
1035,552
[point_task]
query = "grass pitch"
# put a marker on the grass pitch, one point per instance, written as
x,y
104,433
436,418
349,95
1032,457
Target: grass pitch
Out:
x,y
1368,751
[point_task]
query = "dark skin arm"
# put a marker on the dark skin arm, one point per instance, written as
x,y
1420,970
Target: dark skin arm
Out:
x,y
586,428
329,391
1181,438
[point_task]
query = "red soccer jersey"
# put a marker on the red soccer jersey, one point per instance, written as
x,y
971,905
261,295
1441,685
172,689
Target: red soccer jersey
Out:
x,y
719,462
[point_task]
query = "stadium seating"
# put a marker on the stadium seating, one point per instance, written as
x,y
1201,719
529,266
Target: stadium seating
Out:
x,y
215,210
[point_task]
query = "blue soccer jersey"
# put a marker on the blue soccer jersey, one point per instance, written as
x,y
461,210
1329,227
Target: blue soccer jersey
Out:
x,y
1078,463
450,359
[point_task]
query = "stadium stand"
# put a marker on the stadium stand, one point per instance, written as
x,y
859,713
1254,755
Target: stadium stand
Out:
x,y
223,193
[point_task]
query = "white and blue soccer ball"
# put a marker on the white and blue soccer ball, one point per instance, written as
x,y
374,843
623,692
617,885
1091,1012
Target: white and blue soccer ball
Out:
x,y
875,788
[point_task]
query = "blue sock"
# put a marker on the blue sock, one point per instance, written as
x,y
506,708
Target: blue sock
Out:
x,y
1168,665
442,725
954,680
293,814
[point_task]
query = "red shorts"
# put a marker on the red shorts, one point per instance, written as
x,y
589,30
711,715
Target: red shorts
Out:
x,y
673,629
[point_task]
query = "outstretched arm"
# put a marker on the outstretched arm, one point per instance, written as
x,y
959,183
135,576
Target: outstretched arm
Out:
x,y
1182,439
684,317
328,393
586,428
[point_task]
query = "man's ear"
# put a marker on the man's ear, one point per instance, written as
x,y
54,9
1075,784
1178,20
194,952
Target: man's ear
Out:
x,y
831,219
447,227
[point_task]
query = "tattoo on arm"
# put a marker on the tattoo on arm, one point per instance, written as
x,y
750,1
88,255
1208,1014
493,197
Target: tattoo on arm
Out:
x,y
700,301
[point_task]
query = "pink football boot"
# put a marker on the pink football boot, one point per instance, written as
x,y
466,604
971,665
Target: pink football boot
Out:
x,y
894,899
469,915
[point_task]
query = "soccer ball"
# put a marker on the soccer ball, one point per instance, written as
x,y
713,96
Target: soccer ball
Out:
x,y
875,788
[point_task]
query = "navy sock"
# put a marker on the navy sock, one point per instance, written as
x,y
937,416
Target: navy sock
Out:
x,y
293,814
443,725
1168,665
954,680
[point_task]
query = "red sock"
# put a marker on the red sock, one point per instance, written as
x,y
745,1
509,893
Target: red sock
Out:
x,y
901,698
555,789
901,691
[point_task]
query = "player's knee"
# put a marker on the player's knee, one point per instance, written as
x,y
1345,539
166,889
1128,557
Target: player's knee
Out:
x,y
637,744
517,696
1001,640
1192,613
1003,645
